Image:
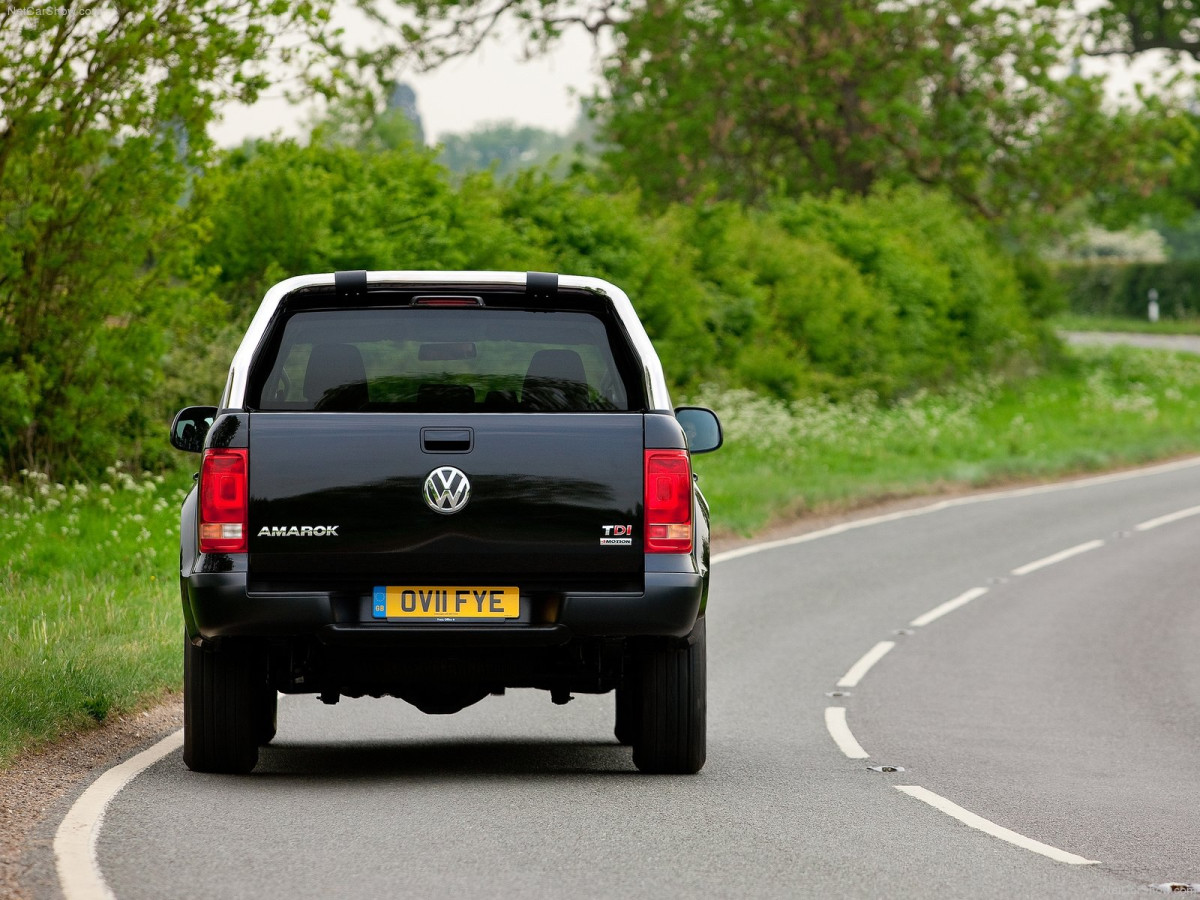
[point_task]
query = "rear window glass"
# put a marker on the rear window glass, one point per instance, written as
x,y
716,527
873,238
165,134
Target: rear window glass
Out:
x,y
444,360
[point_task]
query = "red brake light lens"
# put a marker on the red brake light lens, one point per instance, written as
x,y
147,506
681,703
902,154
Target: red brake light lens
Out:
x,y
668,487
224,501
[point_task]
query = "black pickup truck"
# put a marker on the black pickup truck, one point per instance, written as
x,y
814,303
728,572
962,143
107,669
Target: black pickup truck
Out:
x,y
436,486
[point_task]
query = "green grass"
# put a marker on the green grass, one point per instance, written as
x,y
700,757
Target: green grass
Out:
x,y
89,601
90,621
1076,322
1108,407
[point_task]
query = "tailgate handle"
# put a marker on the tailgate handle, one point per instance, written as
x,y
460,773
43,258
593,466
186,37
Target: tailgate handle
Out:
x,y
447,440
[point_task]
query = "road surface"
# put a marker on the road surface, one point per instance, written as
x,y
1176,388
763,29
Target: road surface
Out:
x,y
1181,343
1028,659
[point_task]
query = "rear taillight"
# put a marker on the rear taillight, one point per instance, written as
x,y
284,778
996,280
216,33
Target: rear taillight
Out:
x,y
224,501
668,501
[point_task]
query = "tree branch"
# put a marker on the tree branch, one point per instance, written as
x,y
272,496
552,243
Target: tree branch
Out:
x,y
1132,30
467,29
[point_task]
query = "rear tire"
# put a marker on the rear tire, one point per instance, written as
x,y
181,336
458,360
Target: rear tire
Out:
x,y
222,703
674,700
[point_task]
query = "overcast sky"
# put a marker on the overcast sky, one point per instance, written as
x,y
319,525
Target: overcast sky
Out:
x,y
493,85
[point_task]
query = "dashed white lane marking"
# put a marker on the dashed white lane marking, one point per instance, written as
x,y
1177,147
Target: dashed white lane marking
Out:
x,y
75,841
948,607
1168,519
956,502
1057,557
835,722
991,828
863,666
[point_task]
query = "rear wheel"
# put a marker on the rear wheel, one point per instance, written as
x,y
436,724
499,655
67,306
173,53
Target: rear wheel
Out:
x,y
673,706
222,707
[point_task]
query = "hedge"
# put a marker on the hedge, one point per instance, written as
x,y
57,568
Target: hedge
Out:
x,y
1123,289
891,293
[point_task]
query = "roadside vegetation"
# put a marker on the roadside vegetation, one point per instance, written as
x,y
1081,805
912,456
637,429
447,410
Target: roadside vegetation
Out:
x,y
90,623
1102,408
781,234
1124,289
893,292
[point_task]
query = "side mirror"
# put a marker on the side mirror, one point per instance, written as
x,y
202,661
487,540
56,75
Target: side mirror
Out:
x,y
702,428
190,428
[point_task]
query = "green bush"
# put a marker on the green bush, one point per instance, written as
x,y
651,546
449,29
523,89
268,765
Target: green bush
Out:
x,y
571,226
282,209
889,294
955,302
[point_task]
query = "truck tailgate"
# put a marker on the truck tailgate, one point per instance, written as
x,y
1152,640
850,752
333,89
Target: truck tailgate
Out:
x,y
338,500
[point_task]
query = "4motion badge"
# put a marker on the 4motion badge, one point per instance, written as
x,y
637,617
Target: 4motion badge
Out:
x,y
447,490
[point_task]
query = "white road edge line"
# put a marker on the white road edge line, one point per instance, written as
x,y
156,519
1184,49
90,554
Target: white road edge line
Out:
x,y
951,504
863,666
78,869
1168,519
948,607
991,828
835,722
1057,557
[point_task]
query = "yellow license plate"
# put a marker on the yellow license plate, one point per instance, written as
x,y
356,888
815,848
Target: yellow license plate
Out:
x,y
446,604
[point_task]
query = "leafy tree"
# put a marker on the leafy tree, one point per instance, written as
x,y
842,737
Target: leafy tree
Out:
x,y
1129,27
506,148
748,100
503,147
103,111
739,100
778,97
436,31
1182,238
353,120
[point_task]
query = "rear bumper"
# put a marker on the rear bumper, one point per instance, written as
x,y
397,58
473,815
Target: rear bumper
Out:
x,y
218,605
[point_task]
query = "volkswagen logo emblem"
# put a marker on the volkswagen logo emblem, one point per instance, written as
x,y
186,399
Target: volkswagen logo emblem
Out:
x,y
447,490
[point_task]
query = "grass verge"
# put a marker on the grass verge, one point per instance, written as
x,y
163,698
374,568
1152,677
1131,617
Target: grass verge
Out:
x,y
89,608
1104,408
89,617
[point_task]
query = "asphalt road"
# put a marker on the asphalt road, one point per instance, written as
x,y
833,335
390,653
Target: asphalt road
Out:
x,y
1062,704
1181,343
